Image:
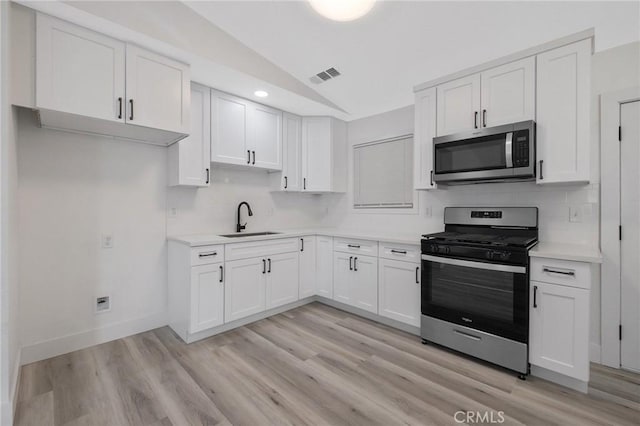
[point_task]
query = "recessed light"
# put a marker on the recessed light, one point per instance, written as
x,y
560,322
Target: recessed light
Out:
x,y
261,93
342,10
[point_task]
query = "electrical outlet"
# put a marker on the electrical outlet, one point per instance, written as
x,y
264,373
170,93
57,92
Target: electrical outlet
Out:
x,y
103,304
575,214
107,241
173,212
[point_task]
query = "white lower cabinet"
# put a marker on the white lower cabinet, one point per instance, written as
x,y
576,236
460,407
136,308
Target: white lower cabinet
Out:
x,y
308,276
559,329
245,288
399,291
207,297
282,279
324,266
355,281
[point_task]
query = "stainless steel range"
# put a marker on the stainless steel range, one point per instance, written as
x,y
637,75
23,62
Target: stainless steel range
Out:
x,y
475,283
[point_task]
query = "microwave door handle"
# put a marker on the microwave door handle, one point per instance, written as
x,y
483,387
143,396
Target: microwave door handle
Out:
x,y
508,150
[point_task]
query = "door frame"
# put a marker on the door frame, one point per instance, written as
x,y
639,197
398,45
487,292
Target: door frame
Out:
x,y
610,288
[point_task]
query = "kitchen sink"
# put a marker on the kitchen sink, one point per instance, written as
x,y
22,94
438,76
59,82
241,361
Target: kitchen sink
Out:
x,y
248,234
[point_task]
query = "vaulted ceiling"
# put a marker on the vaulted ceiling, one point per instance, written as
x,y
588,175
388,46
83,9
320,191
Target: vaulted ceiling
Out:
x,y
400,44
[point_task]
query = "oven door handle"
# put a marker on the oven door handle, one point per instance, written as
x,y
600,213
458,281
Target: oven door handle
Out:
x,y
477,265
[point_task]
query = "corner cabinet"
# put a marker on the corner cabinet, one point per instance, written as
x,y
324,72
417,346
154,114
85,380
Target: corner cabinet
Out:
x,y
324,155
91,83
425,131
189,158
563,113
244,133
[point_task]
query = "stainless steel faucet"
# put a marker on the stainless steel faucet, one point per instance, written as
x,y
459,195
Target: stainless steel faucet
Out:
x,y
240,227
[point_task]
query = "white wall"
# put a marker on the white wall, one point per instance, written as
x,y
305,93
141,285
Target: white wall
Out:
x,y
9,333
73,189
214,209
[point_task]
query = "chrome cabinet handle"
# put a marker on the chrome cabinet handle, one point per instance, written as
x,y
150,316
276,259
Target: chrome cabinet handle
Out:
x,y
554,271
208,254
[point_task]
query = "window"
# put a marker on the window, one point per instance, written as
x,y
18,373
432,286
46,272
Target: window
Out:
x,y
383,173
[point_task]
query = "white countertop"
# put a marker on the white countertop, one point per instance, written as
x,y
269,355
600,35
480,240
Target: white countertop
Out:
x,y
196,240
575,252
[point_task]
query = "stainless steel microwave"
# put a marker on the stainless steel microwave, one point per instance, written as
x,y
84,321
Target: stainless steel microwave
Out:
x,y
501,153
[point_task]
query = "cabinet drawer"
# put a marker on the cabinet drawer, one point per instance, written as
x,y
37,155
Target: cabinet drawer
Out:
x,y
207,254
363,247
261,248
563,272
408,253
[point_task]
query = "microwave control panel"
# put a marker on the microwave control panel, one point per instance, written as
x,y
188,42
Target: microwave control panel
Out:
x,y
521,149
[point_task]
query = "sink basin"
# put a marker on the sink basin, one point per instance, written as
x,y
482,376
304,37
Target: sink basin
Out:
x,y
248,234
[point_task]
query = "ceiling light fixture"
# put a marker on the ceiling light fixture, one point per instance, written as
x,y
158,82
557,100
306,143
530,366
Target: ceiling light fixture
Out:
x,y
261,93
342,10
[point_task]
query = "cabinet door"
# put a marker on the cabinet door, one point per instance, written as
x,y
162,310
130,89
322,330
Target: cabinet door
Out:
x,y
282,279
559,329
307,267
508,93
316,154
458,105
79,71
291,155
207,297
158,91
324,266
364,285
399,291
265,132
245,288
343,277
425,130
189,159
562,112
229,115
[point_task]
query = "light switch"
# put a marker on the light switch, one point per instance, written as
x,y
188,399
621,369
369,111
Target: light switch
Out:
x,y
107,241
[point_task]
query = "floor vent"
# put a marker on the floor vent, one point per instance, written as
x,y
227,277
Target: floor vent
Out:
x,y
325,75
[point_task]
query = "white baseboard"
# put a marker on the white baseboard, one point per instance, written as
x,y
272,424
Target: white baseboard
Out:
x,y
595,353
8,408
85,339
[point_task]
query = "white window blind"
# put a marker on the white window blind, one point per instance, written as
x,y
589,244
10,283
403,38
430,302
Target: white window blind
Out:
x,y
383,173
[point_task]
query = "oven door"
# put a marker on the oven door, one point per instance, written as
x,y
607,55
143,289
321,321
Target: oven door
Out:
x,y
489,297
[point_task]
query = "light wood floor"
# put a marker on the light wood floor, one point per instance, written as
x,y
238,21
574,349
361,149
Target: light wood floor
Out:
x,y
311,365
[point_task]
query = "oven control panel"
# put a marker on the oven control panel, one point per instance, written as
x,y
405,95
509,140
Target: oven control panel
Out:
x,y
486,214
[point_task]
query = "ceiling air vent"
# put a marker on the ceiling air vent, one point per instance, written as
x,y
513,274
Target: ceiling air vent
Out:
x,y
325,75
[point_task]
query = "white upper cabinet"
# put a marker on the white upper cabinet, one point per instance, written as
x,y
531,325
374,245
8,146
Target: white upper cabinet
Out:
x,y
79,71
158,91
266,137
90,83
425,131
324,155
563,108
245,133
189,159
459,105
229,115
508,93
290,178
